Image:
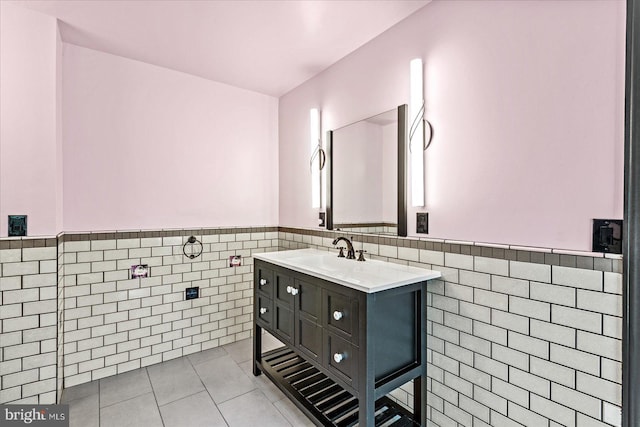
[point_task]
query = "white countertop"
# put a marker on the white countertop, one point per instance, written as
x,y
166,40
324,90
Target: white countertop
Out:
x,y
369,276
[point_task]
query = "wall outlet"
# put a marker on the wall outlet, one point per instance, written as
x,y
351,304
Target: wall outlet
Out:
x,y
607,236
192,293
17,225
322,216
422,222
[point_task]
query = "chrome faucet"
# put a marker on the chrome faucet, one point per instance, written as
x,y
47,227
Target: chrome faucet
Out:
x,y
351,254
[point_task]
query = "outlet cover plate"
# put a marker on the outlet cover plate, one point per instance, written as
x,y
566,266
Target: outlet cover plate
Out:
x,y
192,293
607,236
17,225
422,222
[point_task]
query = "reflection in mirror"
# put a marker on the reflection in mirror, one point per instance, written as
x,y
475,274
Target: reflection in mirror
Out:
x,y
366,175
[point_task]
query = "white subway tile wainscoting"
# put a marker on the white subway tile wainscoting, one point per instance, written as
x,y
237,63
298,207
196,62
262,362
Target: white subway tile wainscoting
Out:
x,y
28,320
115,324
516,336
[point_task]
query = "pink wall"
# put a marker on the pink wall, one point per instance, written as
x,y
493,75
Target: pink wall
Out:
x,y
59,136
28,124
147,147
526,99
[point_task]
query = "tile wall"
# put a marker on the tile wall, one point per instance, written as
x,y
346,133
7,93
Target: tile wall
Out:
x,y
115,324
516,336
28,317
71,314
60,325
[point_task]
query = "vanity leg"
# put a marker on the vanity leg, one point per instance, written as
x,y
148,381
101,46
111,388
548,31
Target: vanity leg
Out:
x,y
420,383
419,401
367,411
257,349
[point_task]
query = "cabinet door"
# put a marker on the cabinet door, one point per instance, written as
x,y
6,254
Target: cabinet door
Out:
x,y
283,322
308,300
308,305
309,337
283,290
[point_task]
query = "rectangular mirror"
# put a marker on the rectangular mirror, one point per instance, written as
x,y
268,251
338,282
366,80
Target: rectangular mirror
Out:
x,y
366,179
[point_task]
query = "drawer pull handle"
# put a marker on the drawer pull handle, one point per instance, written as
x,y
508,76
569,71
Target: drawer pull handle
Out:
x,y
263,310
289,289
263,282
338,315
339,357
294,291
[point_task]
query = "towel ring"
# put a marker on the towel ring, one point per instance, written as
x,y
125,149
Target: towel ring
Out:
x,y
192,248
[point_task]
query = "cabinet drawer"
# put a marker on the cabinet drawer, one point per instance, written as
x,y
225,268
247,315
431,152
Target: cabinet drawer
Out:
x,y
263,311
264,280
341,358
342,315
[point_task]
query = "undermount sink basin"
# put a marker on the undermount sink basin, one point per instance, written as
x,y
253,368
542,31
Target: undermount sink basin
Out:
x,y
368,276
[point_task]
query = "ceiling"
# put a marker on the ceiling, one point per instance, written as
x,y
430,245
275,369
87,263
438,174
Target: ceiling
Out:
x,y
261,45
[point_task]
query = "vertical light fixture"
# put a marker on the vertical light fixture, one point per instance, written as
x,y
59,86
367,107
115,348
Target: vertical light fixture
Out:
x,y
316,156
416,133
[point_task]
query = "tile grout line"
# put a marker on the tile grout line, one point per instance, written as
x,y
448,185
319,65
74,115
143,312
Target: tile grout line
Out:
x,y
205,386
155,398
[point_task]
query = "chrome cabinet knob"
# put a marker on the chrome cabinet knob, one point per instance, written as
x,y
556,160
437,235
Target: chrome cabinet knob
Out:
x,y
263,282
338,315
289,288
263,310
294,291
339,357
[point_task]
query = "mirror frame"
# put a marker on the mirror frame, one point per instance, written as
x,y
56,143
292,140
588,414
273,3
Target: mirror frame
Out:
x,y
403,124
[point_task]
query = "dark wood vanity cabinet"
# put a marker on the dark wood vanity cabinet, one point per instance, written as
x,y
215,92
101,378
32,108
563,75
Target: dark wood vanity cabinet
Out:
x,y
354,347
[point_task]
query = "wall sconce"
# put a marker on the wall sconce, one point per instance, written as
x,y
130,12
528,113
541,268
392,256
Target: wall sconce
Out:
x,y
419,133
318,157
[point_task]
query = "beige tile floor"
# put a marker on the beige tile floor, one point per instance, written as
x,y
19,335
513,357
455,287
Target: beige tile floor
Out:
x,y
211,388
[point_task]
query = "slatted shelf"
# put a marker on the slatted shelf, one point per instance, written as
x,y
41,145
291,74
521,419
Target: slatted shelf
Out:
x,y
321,397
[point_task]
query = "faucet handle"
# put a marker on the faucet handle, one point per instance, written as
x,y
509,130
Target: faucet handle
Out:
x,y
361,253
341,254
